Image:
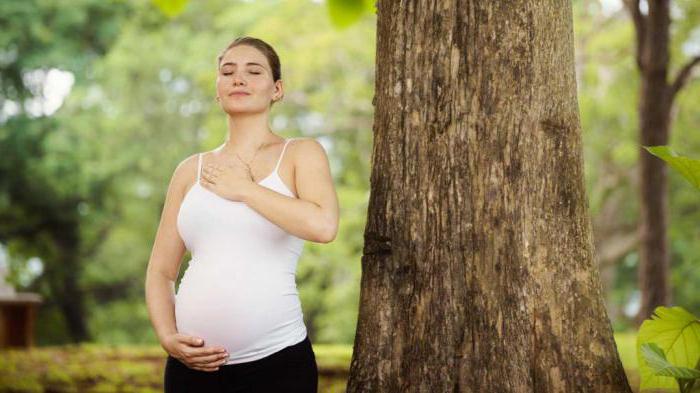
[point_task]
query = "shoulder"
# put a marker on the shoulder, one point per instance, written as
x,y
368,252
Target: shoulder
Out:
x,y
307,150
185,173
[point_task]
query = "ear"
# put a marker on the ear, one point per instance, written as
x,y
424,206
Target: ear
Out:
x,y
279,88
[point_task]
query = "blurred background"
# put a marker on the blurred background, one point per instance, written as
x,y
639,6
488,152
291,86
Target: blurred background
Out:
x,y
102,99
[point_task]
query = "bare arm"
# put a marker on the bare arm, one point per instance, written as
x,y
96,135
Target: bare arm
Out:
x,y
314,215
163,267
166,257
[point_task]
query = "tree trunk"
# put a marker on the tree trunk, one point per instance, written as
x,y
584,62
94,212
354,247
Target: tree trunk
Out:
x,y
478,268
654,258
64,273
654,118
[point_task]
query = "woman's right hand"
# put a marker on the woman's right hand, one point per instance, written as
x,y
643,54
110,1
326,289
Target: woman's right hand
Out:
x,y
189,350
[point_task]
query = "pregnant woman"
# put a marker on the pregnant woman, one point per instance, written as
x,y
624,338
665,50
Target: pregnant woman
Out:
x,y
243,210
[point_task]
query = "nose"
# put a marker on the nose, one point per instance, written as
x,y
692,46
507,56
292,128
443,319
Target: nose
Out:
x,y
237,79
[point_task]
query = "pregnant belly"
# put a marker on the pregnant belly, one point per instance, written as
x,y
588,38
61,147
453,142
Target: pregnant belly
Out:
x,y
245,313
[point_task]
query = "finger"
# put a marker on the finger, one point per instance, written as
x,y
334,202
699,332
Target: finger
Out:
x,y
206,369
210,173
190,340
215,364
207,183
213,168
194,353
210,358
206,178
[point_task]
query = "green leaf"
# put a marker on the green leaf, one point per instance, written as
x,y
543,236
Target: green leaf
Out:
x,y
344,13
657,361
677,333
171,8
688,167
370,6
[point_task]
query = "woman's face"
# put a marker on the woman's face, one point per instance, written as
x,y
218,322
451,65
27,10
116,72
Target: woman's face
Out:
x,y
244,69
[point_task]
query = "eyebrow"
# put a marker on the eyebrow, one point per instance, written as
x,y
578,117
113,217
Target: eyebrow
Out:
x,y
249,63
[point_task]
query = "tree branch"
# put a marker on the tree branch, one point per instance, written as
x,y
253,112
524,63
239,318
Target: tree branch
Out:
x,y
640,22
612,249
683,75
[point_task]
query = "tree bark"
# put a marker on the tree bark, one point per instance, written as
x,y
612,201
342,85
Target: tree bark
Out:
x,y
478,272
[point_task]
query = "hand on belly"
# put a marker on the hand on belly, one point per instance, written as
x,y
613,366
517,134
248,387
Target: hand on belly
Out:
x,y
192,351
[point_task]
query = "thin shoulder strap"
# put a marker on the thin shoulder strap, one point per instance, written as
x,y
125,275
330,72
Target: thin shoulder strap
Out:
x,y
282,154
199,166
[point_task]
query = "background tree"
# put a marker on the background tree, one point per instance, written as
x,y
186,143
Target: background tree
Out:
x,y
656,99
44,192
478,266
608,86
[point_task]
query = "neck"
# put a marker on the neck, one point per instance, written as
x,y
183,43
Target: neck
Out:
x,y
247,132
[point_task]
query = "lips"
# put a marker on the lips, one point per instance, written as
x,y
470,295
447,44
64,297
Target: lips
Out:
x,y
239,93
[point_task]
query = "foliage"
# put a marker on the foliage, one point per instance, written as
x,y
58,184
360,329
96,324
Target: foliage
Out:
x,y
676,328
688,167
52,205
344,13
668,348
656,359
171,8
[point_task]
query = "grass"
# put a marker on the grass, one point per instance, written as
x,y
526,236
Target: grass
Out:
x,y
104,368
627,349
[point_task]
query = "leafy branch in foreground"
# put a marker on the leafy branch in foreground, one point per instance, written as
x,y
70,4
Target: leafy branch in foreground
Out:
x,y
668,350
689,168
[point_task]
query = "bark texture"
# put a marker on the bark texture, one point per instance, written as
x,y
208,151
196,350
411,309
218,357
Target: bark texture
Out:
x,y
478,268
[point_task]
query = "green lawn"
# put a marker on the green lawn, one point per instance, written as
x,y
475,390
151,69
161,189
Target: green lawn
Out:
x,y
626,347
101,368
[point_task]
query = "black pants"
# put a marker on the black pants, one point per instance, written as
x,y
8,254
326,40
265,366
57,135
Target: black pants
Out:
x,y
290,370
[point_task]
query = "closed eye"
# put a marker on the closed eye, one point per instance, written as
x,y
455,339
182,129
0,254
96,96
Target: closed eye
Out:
x,y
229,73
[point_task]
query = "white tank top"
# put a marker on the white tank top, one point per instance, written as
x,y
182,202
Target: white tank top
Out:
x,y
239,290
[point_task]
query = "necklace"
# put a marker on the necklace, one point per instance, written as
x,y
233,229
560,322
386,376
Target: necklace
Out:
x,y
248,163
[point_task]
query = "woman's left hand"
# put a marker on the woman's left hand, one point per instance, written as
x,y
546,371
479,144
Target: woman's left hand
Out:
x,y
230,181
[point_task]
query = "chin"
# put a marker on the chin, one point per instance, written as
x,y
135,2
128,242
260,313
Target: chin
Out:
x,y
238,109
